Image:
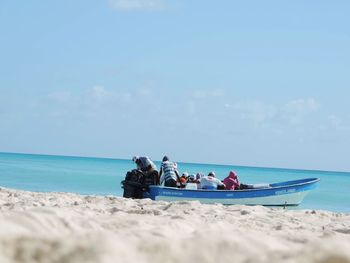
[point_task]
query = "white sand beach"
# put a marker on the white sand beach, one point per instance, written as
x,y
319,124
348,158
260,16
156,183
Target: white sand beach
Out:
x,y
65,227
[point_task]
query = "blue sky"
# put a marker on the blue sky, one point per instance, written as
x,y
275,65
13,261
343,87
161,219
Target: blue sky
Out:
x,y
258,83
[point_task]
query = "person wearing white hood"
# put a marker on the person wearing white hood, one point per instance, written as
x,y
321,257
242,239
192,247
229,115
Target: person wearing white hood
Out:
x,y
144,163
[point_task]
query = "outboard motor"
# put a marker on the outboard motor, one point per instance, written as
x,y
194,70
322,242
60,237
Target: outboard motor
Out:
x,y
136,183
150,178
133,184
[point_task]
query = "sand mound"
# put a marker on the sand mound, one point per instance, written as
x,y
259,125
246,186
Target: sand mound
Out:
x,y
64,227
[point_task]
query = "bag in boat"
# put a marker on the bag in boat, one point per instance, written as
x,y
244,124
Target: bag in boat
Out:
x,y
254,186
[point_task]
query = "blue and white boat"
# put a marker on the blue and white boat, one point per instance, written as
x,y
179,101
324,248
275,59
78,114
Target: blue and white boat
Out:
x,y
277,194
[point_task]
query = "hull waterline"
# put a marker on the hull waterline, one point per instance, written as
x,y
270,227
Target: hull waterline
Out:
x,y
279,194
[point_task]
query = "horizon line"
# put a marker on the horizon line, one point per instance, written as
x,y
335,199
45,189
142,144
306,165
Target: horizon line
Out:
x,y
185,162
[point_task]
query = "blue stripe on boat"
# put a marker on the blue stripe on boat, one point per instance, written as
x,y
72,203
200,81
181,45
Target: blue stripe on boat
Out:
x,y
275,189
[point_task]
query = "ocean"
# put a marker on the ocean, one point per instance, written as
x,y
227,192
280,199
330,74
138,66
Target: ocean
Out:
x,y
102,176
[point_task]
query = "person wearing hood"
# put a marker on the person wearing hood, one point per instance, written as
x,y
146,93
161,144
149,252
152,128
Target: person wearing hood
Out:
x,y
144,163
231,181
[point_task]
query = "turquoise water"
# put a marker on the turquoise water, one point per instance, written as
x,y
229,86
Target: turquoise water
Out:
x,y
103,176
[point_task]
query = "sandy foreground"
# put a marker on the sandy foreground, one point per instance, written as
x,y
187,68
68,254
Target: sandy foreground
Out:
x,y
65,227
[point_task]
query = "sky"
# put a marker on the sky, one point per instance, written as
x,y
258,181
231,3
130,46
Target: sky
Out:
x,y
256,83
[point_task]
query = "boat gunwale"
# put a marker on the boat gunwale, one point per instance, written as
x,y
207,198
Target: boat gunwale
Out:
x,y
311,181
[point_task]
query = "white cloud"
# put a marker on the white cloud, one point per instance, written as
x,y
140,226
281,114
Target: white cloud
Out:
x,y
302,106
190,108
144,92
99,93
335,121
126,97
254,111
296,110
338,123
259,113
204,106
60,96
98,102
131,5
203,94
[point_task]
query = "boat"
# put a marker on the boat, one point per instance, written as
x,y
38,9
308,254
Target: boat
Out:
x,y
289,193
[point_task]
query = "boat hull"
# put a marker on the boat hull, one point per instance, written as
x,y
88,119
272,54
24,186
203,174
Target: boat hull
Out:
x,y
284,193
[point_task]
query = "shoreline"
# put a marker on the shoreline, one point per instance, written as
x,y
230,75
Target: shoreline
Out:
x,y
67,227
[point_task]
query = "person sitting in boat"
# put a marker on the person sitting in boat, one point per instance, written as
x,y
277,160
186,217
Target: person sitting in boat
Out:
x,y
168,173
191,179
183,178
210,182
231,181
198,177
